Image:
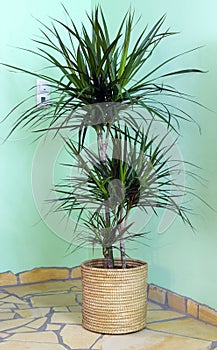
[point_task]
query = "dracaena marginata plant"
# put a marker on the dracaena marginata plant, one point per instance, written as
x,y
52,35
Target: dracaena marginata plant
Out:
x,y
103,85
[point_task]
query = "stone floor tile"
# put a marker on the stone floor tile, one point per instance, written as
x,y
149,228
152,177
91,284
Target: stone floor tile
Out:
x,y
54,300
153,306
20,345
40,337
77,337
43,288
37,323
75,308
6,315
187,327
148,340
159,315
3,295
24,329
5,310
13,299
3,335
53,327
60,308
66,317
7,306
9,324
33,312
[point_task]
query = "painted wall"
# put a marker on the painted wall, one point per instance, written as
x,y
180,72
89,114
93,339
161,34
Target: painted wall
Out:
x,y
179,260
26,241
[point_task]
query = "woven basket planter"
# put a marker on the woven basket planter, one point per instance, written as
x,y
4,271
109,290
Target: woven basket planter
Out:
x,y
114,301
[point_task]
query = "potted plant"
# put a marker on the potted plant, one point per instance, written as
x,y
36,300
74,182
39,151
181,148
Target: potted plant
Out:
x,y
101,92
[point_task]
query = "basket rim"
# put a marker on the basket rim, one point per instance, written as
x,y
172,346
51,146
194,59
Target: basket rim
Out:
x,y
88,264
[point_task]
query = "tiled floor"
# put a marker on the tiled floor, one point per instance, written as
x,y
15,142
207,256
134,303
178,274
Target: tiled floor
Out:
x,y
47,316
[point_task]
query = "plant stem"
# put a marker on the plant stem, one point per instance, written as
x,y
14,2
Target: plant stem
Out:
x,y
103,144
123,255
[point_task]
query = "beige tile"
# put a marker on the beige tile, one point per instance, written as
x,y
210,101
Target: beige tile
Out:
x,y
7,279
53,327
176,301
148,340
3,295
75,308
76,272
7,306
40,337
84,340
15,300
207,314
60,309
21,330
3,335
44,288
9,324
33,313
157,294
54,300
43,274
192,308
20,345
187,327
153,306
4,310
37,323
160,315
67,317
6,315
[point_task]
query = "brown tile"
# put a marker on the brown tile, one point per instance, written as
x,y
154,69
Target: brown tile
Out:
x,y
43,274
8,279
176,301
149,340
157,294
207,314
76,272
192,308
187,327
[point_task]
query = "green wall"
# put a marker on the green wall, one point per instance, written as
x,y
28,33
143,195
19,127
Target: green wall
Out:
x,y
179,259
26,241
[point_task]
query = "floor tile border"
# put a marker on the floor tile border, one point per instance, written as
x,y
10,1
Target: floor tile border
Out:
x,y
182,303
157,294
